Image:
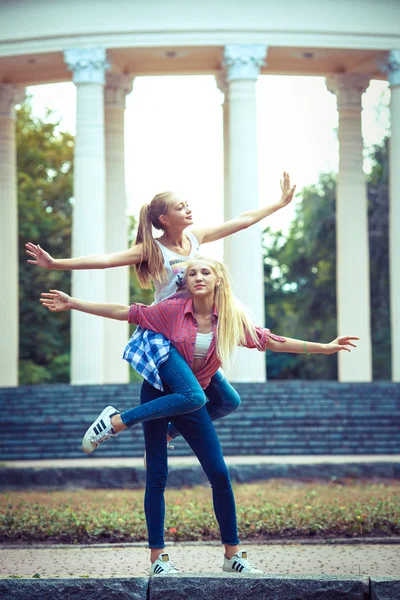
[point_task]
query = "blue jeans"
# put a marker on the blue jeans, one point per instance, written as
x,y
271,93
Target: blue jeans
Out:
x,y
195,427
186,394
222,397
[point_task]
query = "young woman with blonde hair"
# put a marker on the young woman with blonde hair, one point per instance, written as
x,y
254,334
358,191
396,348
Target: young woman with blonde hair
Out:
x,y
161,262
205,327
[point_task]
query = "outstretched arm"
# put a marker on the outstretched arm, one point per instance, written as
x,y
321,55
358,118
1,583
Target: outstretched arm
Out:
x,y
43,259
155,317
302,347
246,219
57,301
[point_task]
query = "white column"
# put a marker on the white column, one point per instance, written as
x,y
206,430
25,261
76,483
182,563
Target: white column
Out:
x,y
88,233
117,280
244,257
352,246
9,313
394,210
223,87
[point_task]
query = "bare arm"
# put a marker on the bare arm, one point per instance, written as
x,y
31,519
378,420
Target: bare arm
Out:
x,y
246,219
94,261
57,301
301,347
154,317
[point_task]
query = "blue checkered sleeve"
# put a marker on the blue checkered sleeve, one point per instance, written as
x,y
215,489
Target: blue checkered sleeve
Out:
x,y
145,352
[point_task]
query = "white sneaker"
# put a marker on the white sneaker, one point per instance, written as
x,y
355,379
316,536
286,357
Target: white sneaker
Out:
x,y
163,566
239,564
100,430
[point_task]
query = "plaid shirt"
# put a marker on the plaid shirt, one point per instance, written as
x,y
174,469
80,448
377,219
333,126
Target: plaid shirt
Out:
x,y
175,320
145,352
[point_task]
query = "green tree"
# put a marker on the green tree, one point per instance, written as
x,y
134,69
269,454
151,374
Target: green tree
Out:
x,y
45,206
44,163
300,276
378,204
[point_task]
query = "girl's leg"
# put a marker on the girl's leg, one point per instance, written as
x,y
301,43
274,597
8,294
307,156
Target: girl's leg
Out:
x,y
195,428
187,395
222,400
157,470
156,479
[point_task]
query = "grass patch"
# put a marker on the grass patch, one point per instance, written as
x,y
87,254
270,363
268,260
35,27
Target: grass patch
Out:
x,y
277,508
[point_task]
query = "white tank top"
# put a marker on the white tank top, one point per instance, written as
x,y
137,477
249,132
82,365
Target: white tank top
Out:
x,y
203,343
174,265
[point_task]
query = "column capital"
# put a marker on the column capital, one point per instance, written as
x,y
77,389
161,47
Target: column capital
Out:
x,y
243,61
348,88
88,65
393,68
118,86
222,82
10,95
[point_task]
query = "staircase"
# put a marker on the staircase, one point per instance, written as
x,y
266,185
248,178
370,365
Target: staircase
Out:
x,y
275,418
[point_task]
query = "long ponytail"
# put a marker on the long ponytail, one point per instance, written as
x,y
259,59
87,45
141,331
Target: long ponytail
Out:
x,y
151,266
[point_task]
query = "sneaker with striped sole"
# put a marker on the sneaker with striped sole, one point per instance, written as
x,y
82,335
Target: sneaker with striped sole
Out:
x,y
163,566
239,564
100,430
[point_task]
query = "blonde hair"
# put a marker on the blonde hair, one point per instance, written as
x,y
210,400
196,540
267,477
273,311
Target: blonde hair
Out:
x,y
151,265
234,326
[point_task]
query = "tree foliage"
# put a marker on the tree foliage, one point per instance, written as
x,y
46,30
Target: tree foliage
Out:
x,y
44,166
378,197
299,269
45,206
300,276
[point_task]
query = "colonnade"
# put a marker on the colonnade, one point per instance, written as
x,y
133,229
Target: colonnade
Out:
x,y
100,225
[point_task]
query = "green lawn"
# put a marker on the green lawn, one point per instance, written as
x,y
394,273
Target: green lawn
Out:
x,y
273,509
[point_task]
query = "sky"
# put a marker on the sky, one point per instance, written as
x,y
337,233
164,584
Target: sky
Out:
x,y
173,137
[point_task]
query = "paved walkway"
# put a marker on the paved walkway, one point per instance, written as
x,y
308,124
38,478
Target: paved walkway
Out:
x,y
98,461
127,560
110,561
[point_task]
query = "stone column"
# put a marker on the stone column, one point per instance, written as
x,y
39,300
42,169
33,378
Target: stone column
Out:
x,y
244,257
353,284
117,280
88,233
394,210
9,338
223,87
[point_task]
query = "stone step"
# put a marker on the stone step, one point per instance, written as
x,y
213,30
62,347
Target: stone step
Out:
x,y
242,450
197,586
274,418
243,415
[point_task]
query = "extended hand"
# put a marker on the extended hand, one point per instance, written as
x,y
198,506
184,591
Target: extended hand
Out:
x,y
341,343
287,191
56,301
42,258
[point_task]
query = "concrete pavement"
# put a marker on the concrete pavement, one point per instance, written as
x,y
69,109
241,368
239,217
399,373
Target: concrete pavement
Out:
x,y
132,560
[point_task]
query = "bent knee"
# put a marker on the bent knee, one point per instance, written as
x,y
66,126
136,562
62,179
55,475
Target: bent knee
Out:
x,y
198,399
220,479
156,480
234,401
